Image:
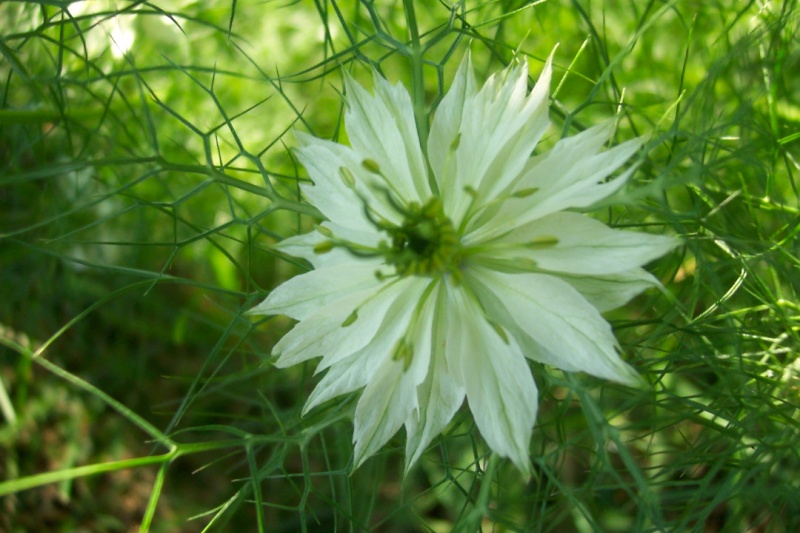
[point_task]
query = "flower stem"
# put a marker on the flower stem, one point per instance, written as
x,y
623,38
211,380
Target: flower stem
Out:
x,y
417,82
472,520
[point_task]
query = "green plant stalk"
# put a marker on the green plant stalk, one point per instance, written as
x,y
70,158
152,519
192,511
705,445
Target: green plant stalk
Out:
x,y
178,450
6,407
417,75
415,54
473,519
29,482
44,115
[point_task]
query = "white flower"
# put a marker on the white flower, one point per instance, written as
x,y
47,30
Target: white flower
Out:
x,y
438,274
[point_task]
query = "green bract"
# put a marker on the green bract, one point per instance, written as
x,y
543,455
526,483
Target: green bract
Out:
x,y
434,278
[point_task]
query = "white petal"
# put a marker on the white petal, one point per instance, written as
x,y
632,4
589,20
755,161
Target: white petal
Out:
x,y
329,192
303,245
391,395
500,389
357,370
446,124
342,203
549,311
573,148
405,295
325,334
501,124
439,396
574,173
581,196
304,294
350,374
562,179
385,403
382,128
583,245
612,291
509,161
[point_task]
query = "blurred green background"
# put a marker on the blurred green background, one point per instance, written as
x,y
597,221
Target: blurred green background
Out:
x,y
146,170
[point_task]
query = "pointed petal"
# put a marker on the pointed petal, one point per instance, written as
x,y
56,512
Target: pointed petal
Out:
x,y
385,403
442,140
382,128
323,331
582,245
500,388
515,152
555,316
566,177
350,374
439,396
303,245
331,333
358,369
329,192
329,166
614,290
405,295
302,295
391,395
500,126
576,172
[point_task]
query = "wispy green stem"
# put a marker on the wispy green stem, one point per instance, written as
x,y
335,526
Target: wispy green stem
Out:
x,y
417,75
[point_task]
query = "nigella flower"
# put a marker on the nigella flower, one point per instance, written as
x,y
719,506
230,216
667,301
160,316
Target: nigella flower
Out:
x,y
440,271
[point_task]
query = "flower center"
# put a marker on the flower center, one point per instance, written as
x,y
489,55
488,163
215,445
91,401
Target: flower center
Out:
x,y
425,244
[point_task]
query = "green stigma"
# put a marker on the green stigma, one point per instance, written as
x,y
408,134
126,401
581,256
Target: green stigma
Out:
x,y
425,244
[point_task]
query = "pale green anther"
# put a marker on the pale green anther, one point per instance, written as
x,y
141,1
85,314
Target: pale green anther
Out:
x,y
371,165
456,142
323,247
324,231
404,352
524,193
350,319
542,242
347,177
500,331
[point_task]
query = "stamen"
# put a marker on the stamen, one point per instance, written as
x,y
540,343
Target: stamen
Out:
x,y
323,247
542,242
350,319
455,143
403,351
347,177
500,331
524,193
324,231
372,166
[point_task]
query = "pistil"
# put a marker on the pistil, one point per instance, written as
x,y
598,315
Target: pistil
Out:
x,y
425,244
